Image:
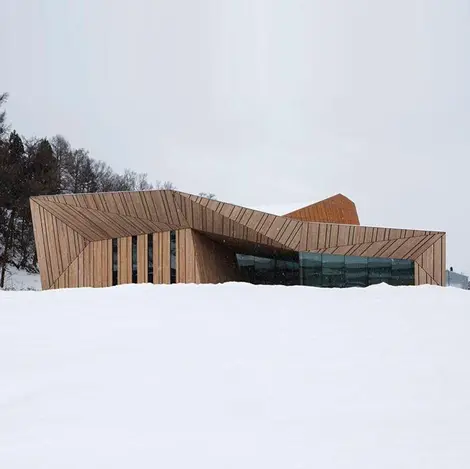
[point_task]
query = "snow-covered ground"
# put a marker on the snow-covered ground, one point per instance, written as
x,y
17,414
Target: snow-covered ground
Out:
x,y
235,376
16,279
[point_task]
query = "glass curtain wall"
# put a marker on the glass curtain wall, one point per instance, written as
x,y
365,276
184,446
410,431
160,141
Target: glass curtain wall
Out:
x,y
325,270
269,271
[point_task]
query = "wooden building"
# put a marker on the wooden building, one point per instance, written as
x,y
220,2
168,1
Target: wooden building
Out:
x,y
164,236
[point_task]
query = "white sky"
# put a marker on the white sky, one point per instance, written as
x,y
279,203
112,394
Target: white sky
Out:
x,y
261,102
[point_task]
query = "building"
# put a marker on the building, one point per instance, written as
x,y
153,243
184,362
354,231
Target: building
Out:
x,y
454,279
164,236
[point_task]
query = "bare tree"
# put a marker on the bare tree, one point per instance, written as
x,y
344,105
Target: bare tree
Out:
x,y
63,155
30,167
165,185
207,195
142,182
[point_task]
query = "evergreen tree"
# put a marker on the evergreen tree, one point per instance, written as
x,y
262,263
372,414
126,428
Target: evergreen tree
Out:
x,y
3,125
32,167
14,193
43,170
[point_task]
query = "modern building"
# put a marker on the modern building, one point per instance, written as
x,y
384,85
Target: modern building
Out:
x,y
165,236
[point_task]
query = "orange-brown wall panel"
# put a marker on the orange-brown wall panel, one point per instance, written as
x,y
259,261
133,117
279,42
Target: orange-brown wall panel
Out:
x,y
336,209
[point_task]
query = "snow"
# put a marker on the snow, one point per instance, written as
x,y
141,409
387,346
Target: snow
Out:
x,y
235,376
16,279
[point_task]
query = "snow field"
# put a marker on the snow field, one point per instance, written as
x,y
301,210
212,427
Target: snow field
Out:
x,y
235,376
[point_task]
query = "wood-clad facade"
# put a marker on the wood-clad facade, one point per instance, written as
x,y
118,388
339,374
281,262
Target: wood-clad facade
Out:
x,y
336,209
164,236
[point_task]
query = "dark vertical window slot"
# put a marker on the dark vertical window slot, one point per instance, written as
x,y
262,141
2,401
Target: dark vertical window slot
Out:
x,y
172,257
134,259
150,258
115,261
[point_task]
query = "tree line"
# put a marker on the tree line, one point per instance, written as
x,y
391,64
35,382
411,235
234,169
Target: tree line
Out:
x,y
39,166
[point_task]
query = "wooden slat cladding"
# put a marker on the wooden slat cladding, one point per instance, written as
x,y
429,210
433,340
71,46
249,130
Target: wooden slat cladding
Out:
x,y
95,225
315,236
443,252
336,209
56,243
142,259
92,268
270,225
157,206
432,262
125,260
161,257
73,236
202,260
186,270
207,220
214,262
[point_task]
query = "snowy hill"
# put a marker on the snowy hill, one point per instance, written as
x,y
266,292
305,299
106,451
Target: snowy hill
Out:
x,y
235,376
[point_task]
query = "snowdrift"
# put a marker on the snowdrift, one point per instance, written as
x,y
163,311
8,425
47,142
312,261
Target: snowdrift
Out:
x,y
235,376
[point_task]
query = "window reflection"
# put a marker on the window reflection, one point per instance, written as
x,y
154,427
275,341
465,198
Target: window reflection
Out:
x,y
402,272
333,271
380,270
325,270
311,269
356,274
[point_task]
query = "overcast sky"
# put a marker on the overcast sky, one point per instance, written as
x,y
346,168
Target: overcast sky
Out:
x,y
259,101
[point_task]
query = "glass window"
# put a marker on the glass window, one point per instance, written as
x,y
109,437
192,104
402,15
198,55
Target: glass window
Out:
x,y
356,271
246,264
310,269
134,259
265,270
150,258
287,272
380,270
325,270
172,257
403,272
115,260
333,270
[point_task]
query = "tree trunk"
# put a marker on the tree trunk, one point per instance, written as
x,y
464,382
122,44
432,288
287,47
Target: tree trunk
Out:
x,y
8,242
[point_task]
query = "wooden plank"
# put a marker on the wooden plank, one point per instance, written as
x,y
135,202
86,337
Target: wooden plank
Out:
x,y
40,242
124,260
214,263
161,257
443,259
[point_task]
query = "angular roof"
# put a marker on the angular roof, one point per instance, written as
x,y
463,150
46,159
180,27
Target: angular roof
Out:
x,y
67,225
335,209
